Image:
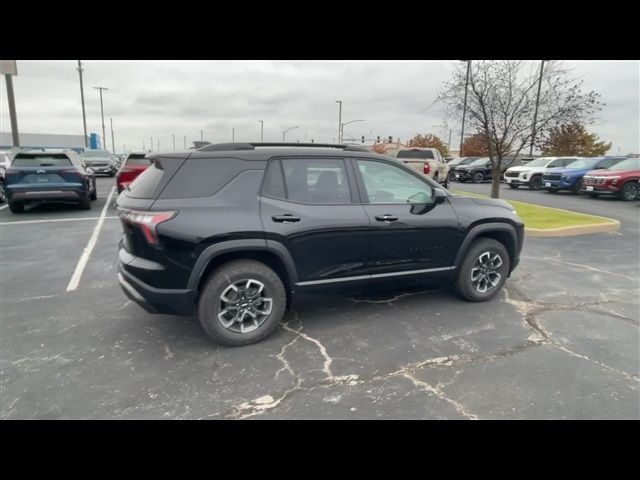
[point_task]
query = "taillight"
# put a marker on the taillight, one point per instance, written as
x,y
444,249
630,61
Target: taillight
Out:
x,y
426,169
147,222
128,170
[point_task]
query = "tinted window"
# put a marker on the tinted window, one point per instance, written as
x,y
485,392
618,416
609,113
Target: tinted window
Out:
x,y
316,181
144,185
53,160
273,181
138,159
415,154
385,183
203,177
97,154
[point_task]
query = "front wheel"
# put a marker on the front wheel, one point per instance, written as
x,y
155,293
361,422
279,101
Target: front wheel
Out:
x,y
242,302
483,271
94,193
536,182
3,195
629,191
478,177
511,185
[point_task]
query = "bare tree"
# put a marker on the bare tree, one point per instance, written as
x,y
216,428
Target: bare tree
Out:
x,y
501,102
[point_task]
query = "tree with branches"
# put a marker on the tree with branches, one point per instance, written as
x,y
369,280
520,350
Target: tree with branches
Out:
x,y
475,145
429,140
501,105
572,139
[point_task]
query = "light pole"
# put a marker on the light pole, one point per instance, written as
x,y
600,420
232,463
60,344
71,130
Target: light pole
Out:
x,y
102,113
84,115
185,143
201,134
151,146
285,132
464,108
339,121
261,130
342,128
535,114
173,136
233,135
113,143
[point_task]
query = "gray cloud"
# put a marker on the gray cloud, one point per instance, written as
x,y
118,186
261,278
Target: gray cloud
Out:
x,y
151,98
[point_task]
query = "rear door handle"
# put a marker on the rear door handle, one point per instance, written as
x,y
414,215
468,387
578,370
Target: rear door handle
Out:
x,y
285,218
386,218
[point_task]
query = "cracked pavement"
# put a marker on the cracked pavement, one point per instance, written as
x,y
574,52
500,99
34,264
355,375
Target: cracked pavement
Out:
x,y
561,341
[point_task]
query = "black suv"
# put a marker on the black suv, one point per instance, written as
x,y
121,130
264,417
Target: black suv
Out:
x,y
232,232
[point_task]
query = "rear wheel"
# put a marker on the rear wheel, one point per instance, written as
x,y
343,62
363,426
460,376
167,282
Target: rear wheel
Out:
x,y
483,271
85,201
576,188
629,191
16,207
478,177
242,302
3,195
511,185
94,192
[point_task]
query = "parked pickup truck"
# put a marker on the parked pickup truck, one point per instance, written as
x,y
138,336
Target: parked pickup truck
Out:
x,y
427,161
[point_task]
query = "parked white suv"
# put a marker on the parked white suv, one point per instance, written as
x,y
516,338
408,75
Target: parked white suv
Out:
x,y
531,173
427,161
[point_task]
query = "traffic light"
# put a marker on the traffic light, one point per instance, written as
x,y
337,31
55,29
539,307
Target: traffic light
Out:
x,y
362,138
378,140
390,139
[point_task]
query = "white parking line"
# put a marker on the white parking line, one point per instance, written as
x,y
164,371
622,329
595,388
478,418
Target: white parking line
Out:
x,y
23,222
75,279
4,206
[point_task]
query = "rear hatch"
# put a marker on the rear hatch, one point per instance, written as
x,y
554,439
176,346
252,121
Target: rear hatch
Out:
x,y
47,170
134,204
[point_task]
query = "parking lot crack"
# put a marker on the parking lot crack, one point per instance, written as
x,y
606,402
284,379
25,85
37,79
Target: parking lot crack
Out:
x,y
557,259
440,394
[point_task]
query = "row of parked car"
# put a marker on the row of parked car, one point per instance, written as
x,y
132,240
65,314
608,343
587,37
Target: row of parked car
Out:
x,y
29,176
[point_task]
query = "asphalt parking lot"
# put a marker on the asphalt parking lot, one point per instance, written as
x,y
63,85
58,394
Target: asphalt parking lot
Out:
x,y
562,340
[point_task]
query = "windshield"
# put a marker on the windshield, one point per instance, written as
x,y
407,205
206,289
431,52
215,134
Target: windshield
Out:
x,y
415,154
584,163
480,161
628,164
97,154
538,162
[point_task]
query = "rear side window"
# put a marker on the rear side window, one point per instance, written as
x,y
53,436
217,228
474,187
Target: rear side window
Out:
x,y
203,177
26,160
273,182
609,162
145,184
316,181
419,154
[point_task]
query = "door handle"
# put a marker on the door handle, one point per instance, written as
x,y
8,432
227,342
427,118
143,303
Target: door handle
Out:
x,y
386,218
285,218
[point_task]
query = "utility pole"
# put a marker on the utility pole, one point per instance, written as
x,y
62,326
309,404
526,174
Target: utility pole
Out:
x,y
535,113
233,135
201,134
151,145
9,68
261,130
464,109
158,144
185,143
84,115
104,139
174,141
339,121
113,143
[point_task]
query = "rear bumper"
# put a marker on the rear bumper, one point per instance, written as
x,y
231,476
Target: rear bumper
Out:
x,y
107,169
55,194
156,300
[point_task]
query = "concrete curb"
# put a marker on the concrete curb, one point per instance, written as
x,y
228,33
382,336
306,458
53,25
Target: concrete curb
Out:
x,y
610,226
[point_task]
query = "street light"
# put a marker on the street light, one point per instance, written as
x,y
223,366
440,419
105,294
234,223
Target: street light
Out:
x,y
285,132
464,108
339,121
201,134
102,113
261,130
342,128
84,116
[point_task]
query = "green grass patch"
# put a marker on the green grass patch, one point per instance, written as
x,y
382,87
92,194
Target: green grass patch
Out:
x,y
537,216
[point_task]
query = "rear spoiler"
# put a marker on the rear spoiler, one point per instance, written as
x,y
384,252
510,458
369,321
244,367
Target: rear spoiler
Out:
x,y
199,144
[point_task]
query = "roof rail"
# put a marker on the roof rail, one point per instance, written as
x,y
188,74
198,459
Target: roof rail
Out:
x,y
253,145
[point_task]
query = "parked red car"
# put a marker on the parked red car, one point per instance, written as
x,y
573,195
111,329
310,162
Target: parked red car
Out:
x,y
620,179
133,165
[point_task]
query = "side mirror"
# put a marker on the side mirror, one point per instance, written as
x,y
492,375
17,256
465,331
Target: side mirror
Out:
x,y
439,196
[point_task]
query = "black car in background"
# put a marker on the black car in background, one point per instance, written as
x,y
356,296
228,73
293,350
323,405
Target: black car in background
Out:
x,y
235,232
477,171
459,162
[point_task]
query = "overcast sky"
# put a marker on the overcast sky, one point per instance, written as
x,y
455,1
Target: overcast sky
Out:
x,y
158,98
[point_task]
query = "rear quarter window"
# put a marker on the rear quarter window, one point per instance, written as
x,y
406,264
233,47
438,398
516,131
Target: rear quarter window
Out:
x,y
415,154
203,177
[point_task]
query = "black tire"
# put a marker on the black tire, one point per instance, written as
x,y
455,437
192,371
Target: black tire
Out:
x,y
446,183
3,195
553,190
16,207
94,193
511,185
576,188
629,191
478,177
210,302
535,182
463,284
85,202
592,195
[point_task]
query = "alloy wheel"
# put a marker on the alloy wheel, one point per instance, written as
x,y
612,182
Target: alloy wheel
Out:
x,y
484,274
244,306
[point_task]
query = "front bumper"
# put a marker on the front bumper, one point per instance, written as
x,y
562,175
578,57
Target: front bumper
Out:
x,y
465,175
600,189
515,181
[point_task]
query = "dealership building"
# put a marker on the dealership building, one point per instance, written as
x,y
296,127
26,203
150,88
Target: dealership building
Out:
x,y
50,140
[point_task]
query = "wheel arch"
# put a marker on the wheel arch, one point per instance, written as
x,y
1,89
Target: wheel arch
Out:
x,y
504,233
